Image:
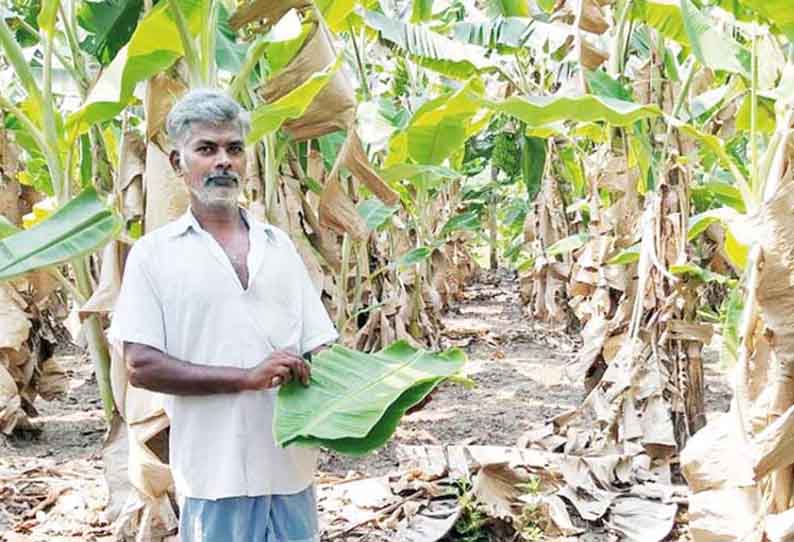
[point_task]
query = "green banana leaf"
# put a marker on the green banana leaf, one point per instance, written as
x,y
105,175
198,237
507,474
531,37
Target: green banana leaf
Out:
x,y
375,213
777,12
664,16
569,244
430,49
355,400
500,31
268,118
439,127
509,8
421,10
155,45
80,227
542,110
109,25
711,46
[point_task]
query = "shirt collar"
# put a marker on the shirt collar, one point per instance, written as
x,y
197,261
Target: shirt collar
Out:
x,y
188,221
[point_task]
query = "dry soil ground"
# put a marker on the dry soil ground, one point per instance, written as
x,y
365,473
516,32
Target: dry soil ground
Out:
x,y
51,485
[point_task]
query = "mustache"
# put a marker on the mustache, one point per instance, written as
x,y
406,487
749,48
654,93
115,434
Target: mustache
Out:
x,y
221,178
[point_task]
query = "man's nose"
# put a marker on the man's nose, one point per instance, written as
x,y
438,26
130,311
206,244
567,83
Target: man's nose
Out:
x,y
223,159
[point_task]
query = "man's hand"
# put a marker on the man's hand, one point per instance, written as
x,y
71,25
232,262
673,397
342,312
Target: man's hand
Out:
x,y
278,369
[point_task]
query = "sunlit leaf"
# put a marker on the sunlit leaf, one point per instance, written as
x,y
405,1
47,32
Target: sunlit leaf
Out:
x,y
664,16
421,10
155,45
543,110
80,227
626,256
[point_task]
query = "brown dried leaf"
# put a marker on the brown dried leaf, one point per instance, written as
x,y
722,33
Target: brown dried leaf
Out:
x,y
334,108
14,324
169,195
264,10
641,520
338,212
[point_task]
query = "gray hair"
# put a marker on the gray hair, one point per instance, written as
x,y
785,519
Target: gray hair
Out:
x,y
204,106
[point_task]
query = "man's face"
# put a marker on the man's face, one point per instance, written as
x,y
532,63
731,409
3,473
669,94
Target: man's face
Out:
x,y
213,163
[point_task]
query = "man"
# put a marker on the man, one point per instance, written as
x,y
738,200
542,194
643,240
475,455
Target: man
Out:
x,y
216,310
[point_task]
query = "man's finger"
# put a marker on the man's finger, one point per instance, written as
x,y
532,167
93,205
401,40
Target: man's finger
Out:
x,y
306,372
283,375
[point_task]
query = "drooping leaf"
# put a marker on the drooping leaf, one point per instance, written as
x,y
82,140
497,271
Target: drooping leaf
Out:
x,y
724,193
430,49
602,84
710,46
664,16
415,256
626,256
356,400
700,222
569,244
542,110
109,24
155,45
269,117
80,227
375,213
717,146
468,221
704,275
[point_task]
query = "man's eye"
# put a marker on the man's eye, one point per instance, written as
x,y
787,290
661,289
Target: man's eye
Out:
x,y
204,149
236,150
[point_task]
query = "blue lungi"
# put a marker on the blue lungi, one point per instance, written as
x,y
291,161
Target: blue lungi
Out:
x,y
267,518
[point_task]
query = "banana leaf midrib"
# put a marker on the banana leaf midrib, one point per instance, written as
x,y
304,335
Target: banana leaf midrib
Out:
x,y
329,410
56,240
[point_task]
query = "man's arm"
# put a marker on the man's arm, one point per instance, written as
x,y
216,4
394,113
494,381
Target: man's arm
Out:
x,y
154,370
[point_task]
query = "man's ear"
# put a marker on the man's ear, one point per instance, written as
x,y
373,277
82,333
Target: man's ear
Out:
x,y
176,161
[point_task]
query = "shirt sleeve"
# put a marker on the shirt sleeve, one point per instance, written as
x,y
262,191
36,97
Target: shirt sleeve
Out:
x,y
317,326
138,314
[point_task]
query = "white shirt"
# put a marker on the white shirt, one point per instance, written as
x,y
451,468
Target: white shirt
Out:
x,y
181,295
